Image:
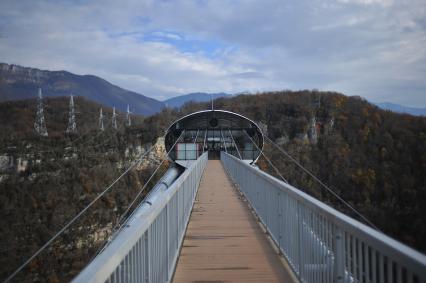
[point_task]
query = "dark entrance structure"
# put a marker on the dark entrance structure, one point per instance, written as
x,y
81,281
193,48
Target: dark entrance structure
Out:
x,y
214,131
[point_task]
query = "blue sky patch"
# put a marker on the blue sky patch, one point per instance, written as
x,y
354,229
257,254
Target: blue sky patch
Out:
x,y
187,44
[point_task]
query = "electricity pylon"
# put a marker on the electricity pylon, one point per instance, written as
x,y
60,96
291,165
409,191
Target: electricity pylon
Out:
x,y
72,125
101,121
128,120
40,124
114,119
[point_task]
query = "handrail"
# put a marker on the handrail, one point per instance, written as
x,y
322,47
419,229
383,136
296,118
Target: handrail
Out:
x,y
320,243
147,249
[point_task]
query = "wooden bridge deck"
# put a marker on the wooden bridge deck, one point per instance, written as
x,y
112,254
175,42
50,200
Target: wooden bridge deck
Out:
x,y
224,242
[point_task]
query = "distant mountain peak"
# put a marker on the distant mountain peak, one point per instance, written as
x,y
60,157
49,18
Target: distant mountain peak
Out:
x,y
402,109
178,101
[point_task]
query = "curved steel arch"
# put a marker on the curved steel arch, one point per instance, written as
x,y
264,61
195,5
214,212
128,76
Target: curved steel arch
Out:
x,y
224,121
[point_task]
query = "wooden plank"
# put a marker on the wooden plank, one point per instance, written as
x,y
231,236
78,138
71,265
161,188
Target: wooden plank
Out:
x,y
224,242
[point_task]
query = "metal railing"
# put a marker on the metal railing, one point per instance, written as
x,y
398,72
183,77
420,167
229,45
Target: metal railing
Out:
x,y
320,243
146,250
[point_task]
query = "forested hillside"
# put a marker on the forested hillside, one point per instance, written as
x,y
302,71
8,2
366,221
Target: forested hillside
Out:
x,y
374,159
46,181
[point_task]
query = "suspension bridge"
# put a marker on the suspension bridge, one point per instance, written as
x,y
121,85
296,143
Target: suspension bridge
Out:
x,y
214,216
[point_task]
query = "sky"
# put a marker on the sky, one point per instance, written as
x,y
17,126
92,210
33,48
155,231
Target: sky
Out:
x,y
162,48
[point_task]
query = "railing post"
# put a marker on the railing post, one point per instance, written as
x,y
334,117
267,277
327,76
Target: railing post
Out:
x,y
316,238
167,243
339,256
147,249
178,216
279,221
299,238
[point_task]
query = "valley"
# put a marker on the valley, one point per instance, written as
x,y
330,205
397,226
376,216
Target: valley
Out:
x,y
372,158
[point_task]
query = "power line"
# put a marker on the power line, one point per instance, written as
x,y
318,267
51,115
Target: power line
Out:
x,y
90,139
321,183
72,142
76,217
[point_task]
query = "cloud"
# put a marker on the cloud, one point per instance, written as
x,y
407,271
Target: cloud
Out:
x,y
368,2
166,35
373,48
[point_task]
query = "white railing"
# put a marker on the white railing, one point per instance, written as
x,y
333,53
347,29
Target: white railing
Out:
x,y
320,243
146,250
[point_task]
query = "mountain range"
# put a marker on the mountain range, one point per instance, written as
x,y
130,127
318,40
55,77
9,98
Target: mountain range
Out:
x,y
18,83
179,101
402,109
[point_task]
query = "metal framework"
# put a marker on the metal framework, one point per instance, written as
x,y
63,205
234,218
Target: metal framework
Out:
x,y
320,243
216,125
223,141
114,119
148,248
235,145
101,120
40,123
72,125
268,160
128,117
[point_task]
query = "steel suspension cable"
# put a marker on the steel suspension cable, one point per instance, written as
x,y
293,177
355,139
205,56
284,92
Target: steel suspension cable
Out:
x,y
321,183
205,138
236,147
118,225
267,159
149,179
196,136
65,227
223,141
